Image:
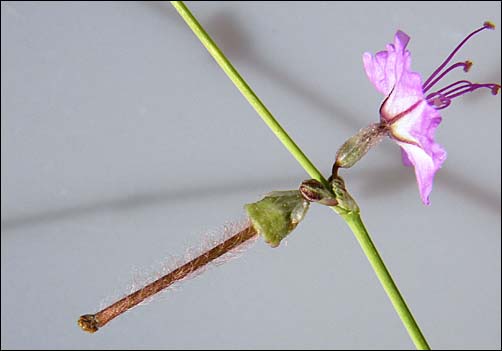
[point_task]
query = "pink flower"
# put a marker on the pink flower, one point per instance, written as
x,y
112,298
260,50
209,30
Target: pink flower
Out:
x,y
409,112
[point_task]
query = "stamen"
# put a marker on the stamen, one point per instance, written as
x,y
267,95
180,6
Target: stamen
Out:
x,y
486,25
455,92
438,101
489,25
466,66
443,97
465,82
445,104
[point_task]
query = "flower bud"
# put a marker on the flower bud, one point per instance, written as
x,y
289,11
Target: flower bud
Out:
x,y
277,214
314,191
358,145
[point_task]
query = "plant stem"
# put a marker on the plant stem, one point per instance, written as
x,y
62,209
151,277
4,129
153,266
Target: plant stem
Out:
x,y
247,92
357,226
353,219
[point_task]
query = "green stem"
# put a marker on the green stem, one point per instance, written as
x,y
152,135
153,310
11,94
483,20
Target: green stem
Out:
x,y
353,219
355,223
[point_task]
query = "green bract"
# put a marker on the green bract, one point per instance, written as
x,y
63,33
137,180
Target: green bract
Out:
x,y
277,214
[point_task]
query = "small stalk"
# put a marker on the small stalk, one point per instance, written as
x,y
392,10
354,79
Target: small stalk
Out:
x,y
92,322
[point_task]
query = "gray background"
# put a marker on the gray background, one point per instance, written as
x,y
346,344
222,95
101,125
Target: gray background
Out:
x,y
123,143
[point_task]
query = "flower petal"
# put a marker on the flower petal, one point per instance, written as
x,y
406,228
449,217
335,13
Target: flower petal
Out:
x,y
406,160
424,169
386,67
411,120
407,92
407,85
415,134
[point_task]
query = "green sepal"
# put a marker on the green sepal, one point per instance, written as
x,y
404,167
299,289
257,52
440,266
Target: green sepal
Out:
x,y
346,204
277,214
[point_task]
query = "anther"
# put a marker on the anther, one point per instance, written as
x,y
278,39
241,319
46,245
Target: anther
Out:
x,y
489,25
486,25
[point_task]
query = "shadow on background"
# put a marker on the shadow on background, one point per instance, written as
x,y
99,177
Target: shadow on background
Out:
x,y
377,183
146,199
235,43
223,27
